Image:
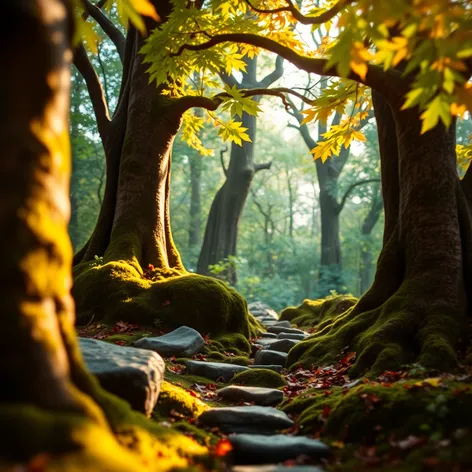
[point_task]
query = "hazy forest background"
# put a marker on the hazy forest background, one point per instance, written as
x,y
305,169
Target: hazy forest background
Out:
x,y
279,239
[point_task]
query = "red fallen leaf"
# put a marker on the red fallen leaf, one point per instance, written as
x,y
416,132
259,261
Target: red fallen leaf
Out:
x,y
348,358
150,267
327,392
38,463
165,303
211,386
194,394
222,447
119,343
326,411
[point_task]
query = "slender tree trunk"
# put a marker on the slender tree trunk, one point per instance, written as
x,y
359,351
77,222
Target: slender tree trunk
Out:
x,y
195,213
221,232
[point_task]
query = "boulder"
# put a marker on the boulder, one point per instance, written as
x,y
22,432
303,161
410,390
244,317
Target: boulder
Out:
x,y
182,342
135,375
214,370
246,419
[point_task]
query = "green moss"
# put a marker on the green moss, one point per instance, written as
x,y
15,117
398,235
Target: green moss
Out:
x,y
118,291
229,348
312,312
126,338
361,413
179,400
259,378
398,332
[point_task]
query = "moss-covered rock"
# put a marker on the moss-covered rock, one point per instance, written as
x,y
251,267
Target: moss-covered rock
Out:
x,y
259,378
173,398
313,312
119,290
229,348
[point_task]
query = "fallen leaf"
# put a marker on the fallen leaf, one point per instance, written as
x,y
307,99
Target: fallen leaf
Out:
x,y
222,447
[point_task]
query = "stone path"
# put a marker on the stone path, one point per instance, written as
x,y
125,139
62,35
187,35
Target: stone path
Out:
x,y
254,426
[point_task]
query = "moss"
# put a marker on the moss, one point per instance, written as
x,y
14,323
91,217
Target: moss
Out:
x,y
126,338
359,414
229,348
400,331
312,312
119,291
67,441
179,400
259,378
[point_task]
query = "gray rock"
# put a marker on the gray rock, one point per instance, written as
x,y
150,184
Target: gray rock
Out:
x,y
135,375
276,468
284,323
182,342
275,368
214,370
298,336
246,419
258,395
257,449
282,329
261,309
265,334
266,357
264,341
281,345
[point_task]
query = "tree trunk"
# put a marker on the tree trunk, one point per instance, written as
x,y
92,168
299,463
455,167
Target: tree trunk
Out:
x,y
417,307
221,231
138,266
195,213
46,400
366,269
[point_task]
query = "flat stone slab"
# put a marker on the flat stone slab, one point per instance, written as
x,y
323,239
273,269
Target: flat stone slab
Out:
x,y
258,449
135,375
275,368
298,336
214,370
282,329
276,468
182,342
264,341
258,395
265,334
267,357
284,323
246,419
261,309
281,345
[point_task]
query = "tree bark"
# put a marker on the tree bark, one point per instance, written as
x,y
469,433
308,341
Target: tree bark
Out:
x,y
417,307
221,232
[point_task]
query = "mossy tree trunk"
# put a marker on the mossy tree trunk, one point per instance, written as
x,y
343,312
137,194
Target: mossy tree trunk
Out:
x,y
47,398
221,232
417,307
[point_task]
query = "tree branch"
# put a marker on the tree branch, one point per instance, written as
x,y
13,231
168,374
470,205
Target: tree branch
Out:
x,y
376,77
265,165
351,188
305,20
229,79
275,75
110,29
95,90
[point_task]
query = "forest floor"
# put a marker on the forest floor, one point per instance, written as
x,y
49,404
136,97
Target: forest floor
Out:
x,y
406,420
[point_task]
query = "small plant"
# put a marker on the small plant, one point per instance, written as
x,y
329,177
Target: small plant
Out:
x,y
98,260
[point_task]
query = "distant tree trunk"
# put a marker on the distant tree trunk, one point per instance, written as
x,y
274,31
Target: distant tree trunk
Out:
x,y
195,213
221,232
367,265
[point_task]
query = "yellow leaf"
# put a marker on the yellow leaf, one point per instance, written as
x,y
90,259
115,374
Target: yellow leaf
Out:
x,y
360,68
146,8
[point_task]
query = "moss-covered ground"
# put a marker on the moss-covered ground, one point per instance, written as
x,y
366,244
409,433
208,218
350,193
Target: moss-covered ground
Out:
x,y
407,420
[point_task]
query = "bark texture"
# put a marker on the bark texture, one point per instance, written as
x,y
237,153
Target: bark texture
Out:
x,y
417,309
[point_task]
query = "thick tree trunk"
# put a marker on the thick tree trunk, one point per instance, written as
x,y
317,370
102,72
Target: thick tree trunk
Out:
x,y
417,307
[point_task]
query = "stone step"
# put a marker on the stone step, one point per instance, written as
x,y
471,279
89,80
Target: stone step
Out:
x,y
267,357
246,419
258,395
282,329
182,342
299,336
214,370
281,345
135,375
258,449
